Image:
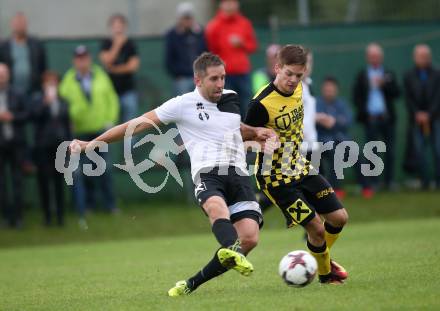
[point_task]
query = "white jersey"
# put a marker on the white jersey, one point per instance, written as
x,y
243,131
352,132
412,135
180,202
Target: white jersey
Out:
x,y
210,131
310,134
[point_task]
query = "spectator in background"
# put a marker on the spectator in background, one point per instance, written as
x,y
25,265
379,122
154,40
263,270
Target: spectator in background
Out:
x,y
263,76
183,44
13,117
333,119
310,138
93,108
422,95
121,61
26,58
231,36
374,92
52,127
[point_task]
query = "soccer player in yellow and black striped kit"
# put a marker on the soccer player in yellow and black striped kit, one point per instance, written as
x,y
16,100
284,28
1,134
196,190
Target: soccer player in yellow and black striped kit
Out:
x,y
285,176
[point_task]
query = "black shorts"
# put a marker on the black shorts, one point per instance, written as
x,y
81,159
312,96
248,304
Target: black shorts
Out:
x,y
301,200
235,189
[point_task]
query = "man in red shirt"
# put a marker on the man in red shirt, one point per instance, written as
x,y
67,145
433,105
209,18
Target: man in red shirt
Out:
x,y
231,36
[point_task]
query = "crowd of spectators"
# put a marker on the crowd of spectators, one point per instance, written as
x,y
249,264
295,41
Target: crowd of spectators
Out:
x,y
40,108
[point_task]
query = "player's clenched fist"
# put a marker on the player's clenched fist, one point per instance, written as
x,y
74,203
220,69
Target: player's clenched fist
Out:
x,y
268,139
77,146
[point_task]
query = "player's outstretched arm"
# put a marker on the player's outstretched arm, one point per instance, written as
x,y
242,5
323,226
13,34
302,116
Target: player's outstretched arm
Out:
x,y
266,137
256,133
117,132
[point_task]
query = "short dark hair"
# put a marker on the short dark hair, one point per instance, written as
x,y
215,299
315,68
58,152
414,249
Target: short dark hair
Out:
x,y
292,55
50,75
117,16
331,79
204,61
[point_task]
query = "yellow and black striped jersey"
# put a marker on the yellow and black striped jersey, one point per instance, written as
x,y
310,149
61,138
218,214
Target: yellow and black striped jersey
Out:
x,y
284,113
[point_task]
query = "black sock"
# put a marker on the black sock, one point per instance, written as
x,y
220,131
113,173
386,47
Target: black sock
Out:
x,y
211,270
333,230
226,234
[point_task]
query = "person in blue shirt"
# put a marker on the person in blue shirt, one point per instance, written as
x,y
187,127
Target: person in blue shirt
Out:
x,y
375,90
333,119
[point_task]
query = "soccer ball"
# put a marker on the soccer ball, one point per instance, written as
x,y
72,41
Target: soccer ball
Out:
x,y
298,268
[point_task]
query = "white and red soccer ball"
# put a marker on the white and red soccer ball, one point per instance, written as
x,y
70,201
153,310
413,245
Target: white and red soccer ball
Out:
x,y
298,268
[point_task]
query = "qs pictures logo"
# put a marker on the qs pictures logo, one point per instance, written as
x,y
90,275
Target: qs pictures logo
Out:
x,y
284,121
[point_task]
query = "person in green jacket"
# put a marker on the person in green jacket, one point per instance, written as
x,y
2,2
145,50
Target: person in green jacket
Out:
x,y
263,76
93,108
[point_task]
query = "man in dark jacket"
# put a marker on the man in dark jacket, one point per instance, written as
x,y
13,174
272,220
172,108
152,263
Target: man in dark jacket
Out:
x,y
13,115
52,127
25,56
422,95
183,43
374,92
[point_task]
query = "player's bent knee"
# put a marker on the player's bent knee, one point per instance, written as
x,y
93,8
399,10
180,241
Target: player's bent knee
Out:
x,y
213,201
341,219
216,208
344,218
337,218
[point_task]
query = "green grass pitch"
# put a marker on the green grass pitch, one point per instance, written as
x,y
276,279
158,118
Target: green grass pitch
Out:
x,y
393,265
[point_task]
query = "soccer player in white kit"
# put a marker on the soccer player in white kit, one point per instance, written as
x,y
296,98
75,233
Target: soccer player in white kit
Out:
x,y
209,122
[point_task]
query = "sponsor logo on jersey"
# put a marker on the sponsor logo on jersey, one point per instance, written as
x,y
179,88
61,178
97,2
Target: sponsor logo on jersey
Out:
x,y
200,188
324,193
202,114
284,121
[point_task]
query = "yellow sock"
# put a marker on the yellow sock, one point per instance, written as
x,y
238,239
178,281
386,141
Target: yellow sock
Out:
x,y
330,239
322,257
331,234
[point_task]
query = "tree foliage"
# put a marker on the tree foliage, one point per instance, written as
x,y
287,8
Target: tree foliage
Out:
x,y
335,11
